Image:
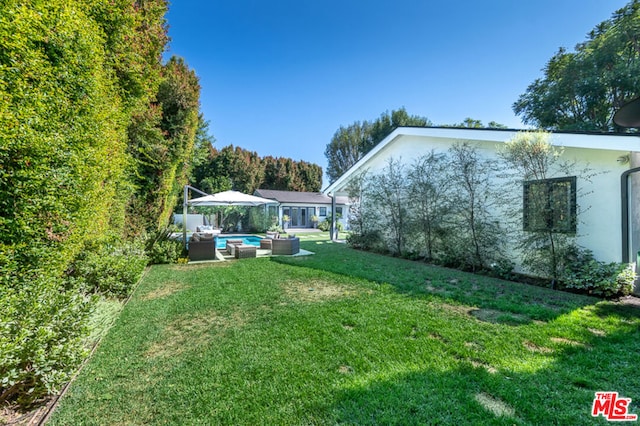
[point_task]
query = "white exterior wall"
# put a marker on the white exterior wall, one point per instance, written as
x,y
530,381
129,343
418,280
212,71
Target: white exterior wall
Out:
x,y
343,220
599,212
193,220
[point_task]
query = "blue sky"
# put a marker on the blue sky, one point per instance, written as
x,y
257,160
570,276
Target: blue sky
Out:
x,y
280,77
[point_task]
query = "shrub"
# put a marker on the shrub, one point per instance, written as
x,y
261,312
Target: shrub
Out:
x,y
324,225
165,251
42,327
111,269
599,278
371,240
161,248
503,268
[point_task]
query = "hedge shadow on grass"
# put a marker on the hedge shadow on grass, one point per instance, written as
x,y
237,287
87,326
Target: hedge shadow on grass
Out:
x,y
526,303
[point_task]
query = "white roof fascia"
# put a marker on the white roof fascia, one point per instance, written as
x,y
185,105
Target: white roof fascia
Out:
x,y
345,176
625,143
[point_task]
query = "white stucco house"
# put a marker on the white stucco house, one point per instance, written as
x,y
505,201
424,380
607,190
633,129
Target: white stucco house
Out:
x,y
610,227
301,207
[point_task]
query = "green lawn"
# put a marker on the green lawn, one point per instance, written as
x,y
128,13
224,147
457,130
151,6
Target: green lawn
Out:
x,y
347,337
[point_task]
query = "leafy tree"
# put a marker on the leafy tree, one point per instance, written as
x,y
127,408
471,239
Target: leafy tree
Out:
x,y
496,125
161,140
473,234
345,148
387,123
351,143
581,90
472,123
363,214
427,199
530,156
389,191
86,111
236,168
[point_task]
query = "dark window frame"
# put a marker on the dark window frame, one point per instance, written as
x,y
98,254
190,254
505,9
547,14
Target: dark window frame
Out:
x,y
322,212
546,217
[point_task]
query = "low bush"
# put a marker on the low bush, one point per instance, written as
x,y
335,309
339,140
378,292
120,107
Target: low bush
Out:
x,y
166,251
111,269
324,225
503,269
161,248
42,327
599,278
371,240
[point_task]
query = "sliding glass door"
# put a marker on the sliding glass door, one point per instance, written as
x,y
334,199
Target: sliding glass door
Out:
x,y
300,216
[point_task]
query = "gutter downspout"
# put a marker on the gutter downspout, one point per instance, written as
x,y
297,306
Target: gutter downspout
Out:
x,y
624,196
332,229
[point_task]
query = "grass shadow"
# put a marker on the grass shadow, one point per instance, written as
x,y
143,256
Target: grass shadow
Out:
x,y
561,391
521,303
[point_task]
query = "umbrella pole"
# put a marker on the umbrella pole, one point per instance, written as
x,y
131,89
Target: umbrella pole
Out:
x,y
184,211
184,216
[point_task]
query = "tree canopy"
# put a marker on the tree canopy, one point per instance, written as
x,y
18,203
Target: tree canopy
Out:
x,y
351,143
581,90
242,170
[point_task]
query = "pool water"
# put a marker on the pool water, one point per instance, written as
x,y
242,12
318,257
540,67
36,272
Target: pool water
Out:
x,y
252,240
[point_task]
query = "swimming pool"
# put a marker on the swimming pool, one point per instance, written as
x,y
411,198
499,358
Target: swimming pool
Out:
x,y
252,240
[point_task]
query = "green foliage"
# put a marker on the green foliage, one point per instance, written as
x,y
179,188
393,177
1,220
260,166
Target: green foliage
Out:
x,y
475,237
42,327
503,268
110,269
162,140
325,225
371,241
581,90
530,156
584,272
436,208
428,202
160,248
351,143
258,221
389,191
76,79
245,171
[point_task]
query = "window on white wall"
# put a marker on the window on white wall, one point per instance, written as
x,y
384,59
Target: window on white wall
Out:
x,y
550,205
323,211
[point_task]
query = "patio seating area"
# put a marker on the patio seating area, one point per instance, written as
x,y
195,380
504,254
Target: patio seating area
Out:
x,y
203,248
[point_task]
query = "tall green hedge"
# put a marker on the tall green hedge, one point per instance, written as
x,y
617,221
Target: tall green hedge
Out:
x,y
85,102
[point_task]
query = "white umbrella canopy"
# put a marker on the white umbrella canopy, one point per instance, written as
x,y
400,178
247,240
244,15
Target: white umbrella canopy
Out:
x,y
230,198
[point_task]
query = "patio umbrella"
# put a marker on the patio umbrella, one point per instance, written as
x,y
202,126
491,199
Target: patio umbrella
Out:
x,y
230,198
225,198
